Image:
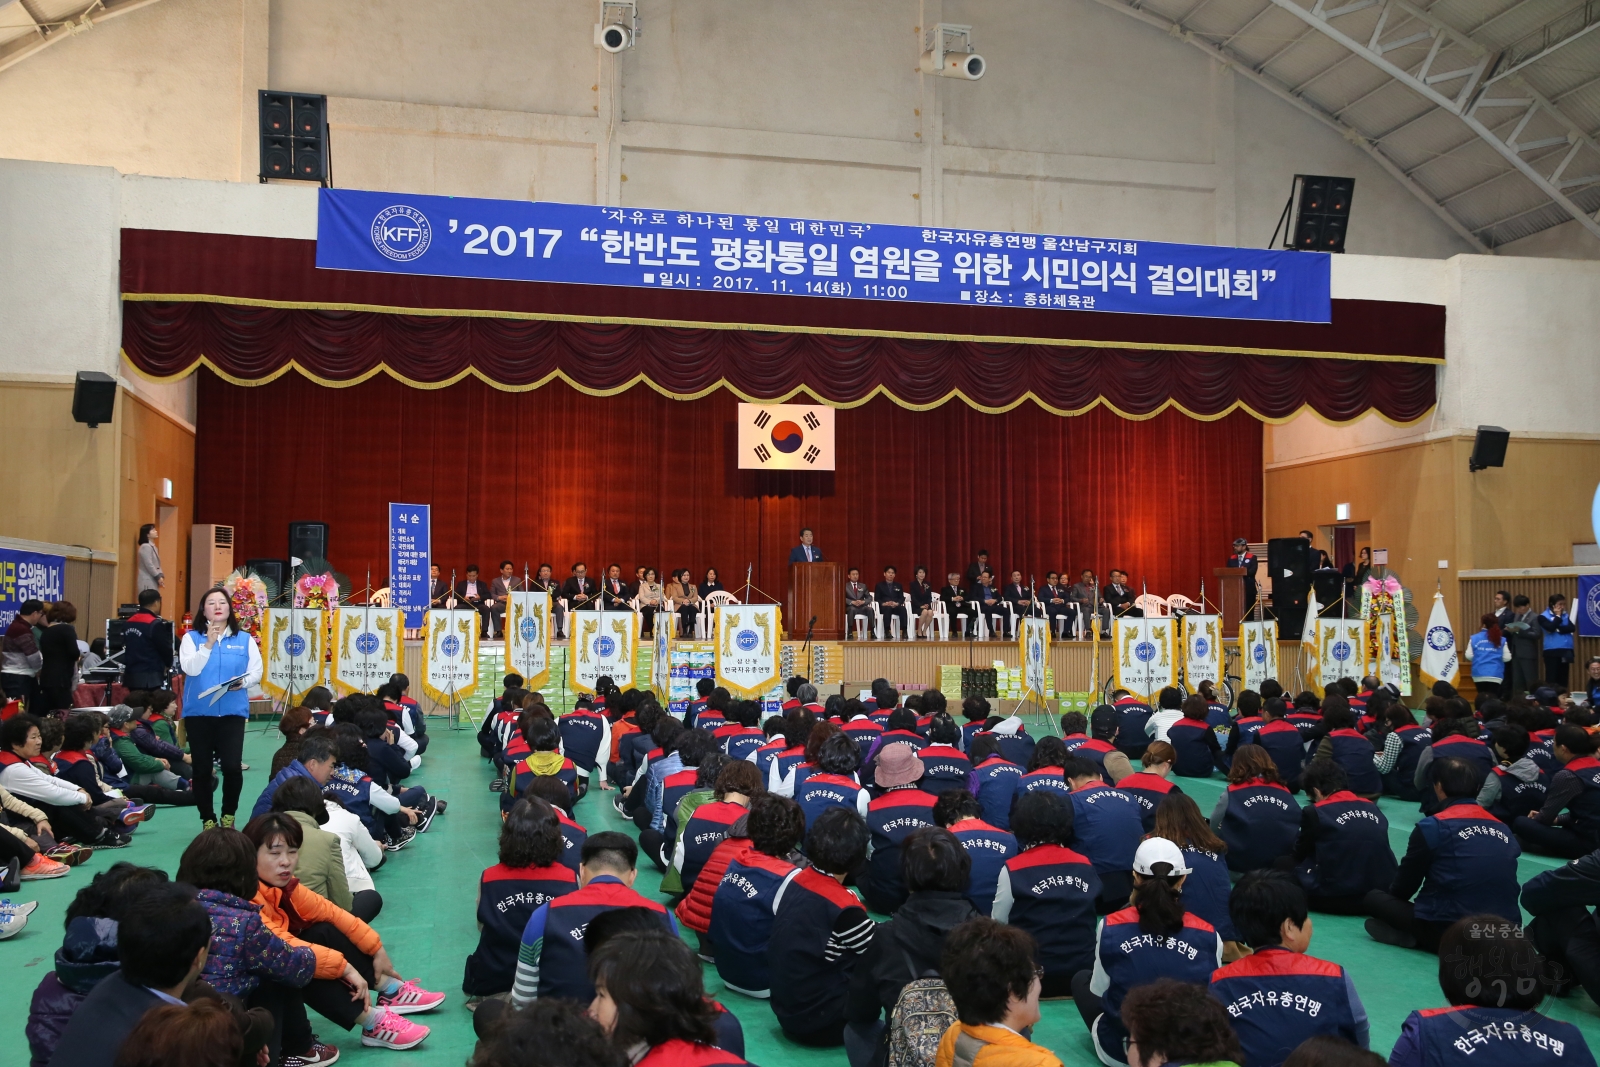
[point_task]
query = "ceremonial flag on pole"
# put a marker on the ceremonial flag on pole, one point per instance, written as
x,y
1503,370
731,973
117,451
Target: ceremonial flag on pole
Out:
x,y
1260,644
1310,664
1338,650
661,660
603,643
1035,641
1202,649
528,637
1439,660
293,640
366,646
749,640
450,655
1144,655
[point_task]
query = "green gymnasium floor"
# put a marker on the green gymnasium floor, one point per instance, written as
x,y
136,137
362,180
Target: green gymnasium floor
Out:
x,y
430,889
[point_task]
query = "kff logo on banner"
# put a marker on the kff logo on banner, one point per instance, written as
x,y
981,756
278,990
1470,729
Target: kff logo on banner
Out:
x,y
786,437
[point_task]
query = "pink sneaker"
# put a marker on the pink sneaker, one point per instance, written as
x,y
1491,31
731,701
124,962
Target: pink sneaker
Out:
x,y
389,1030
409,998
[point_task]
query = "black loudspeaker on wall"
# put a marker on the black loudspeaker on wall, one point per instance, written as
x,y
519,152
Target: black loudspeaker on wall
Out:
x,y
1488,448
294,136
308,540
1318,213
274,571
1290,569
94,397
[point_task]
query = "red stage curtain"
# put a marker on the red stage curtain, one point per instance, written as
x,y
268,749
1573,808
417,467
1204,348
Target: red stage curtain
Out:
x,y
556,475
252,344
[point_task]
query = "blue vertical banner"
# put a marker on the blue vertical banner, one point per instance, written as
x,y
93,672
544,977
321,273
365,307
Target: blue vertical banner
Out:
x,y
410,537
1587,609
28,576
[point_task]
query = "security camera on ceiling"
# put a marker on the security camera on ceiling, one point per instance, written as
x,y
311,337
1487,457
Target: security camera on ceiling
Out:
x,y
618,26
950,53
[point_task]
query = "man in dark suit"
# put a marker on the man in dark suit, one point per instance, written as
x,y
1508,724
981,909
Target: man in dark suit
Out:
x,y
805,551
614,591
578,591
439,597
984,597
473,592
954,598
1018,596
891,601
502,584
544,582
980,567
1118,596
1243,557
1085,597
855,601
1053,599
161,941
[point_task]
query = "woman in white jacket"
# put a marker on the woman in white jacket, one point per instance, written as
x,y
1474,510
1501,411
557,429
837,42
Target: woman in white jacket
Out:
x,y
362,855
66,806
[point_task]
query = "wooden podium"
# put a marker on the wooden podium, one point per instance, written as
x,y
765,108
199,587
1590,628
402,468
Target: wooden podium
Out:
x,y
816,589
1231,601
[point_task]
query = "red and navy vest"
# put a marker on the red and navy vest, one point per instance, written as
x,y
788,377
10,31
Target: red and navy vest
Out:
x,y
1260,824
563,967
572,838
765,754
1488,1037
1286,747
1245,729
1354,752
808,985
864,732
1053,890
523,777
1206,890
1352,848
1130,727
1458,746
1307,722
997,785
1474,868
1188,740
1053,779
943,768
507,897
681,1053
1017,747
708,719
1095,752
581,732
737,741
1131,957
741,918
1106,826
1148,790
632,752
1276,999
674,787
891,818
1401,781
988,847
968,732
1586,805
1517,797
355,793
1072,741
702,834
820,791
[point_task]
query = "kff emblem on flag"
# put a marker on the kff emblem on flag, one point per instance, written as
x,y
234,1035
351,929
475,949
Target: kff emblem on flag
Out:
x,y
790,437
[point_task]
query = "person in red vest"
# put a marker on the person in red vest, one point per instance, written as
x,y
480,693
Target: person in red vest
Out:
x,y
1576,786
1151,785
649,992
1343,851
529,874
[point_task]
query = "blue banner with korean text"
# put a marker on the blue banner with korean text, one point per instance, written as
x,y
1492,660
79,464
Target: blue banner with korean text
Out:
x,y
26,576
517,240
410,587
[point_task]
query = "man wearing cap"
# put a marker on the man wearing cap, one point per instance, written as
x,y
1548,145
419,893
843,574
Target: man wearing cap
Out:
x,y
1246,559
140,767
892,817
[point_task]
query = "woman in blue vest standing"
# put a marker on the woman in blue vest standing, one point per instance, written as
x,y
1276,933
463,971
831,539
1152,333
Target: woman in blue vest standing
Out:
x,y
1488,653
1558,650
220,663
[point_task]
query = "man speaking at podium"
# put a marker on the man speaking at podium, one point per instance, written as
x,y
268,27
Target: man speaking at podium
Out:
x,y
805,551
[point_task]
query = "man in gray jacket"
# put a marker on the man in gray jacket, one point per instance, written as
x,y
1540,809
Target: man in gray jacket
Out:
x,y
1522,633
20,658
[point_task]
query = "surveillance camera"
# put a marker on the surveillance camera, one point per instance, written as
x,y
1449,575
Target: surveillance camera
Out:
x,y
613,38
968,66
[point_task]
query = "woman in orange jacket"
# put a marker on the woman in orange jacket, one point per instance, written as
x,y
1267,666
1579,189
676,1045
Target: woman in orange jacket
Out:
x,y
351,959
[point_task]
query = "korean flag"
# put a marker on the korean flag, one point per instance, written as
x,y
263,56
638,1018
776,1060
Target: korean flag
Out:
x,y
786,437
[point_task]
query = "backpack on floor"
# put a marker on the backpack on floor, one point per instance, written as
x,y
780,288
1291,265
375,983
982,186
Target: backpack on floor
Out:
x,y
922,1014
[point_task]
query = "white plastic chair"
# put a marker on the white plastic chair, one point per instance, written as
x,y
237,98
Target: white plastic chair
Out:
x,y
1178,602
1153,606
941,619
877,615
911,620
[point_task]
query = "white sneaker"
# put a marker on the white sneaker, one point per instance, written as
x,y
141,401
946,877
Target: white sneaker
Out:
x,y
11,924
24,909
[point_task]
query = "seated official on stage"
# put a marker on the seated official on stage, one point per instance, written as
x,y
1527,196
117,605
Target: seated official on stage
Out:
x,y
710,585
502,585
545,583
440,595
473,592
614,591
891,600
1085,595
856,602
1055,603
578,591
685,599
1246,560
1118,597
1018,595
650,595
954,596
984,597
921,594
806,551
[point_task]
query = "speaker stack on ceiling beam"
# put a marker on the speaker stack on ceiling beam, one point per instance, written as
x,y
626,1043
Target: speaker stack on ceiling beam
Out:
x,y
1320,212
294,137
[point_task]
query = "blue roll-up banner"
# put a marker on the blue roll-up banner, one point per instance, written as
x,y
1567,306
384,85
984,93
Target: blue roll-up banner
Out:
x,y
28,576
1587,609
516,240
410,534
